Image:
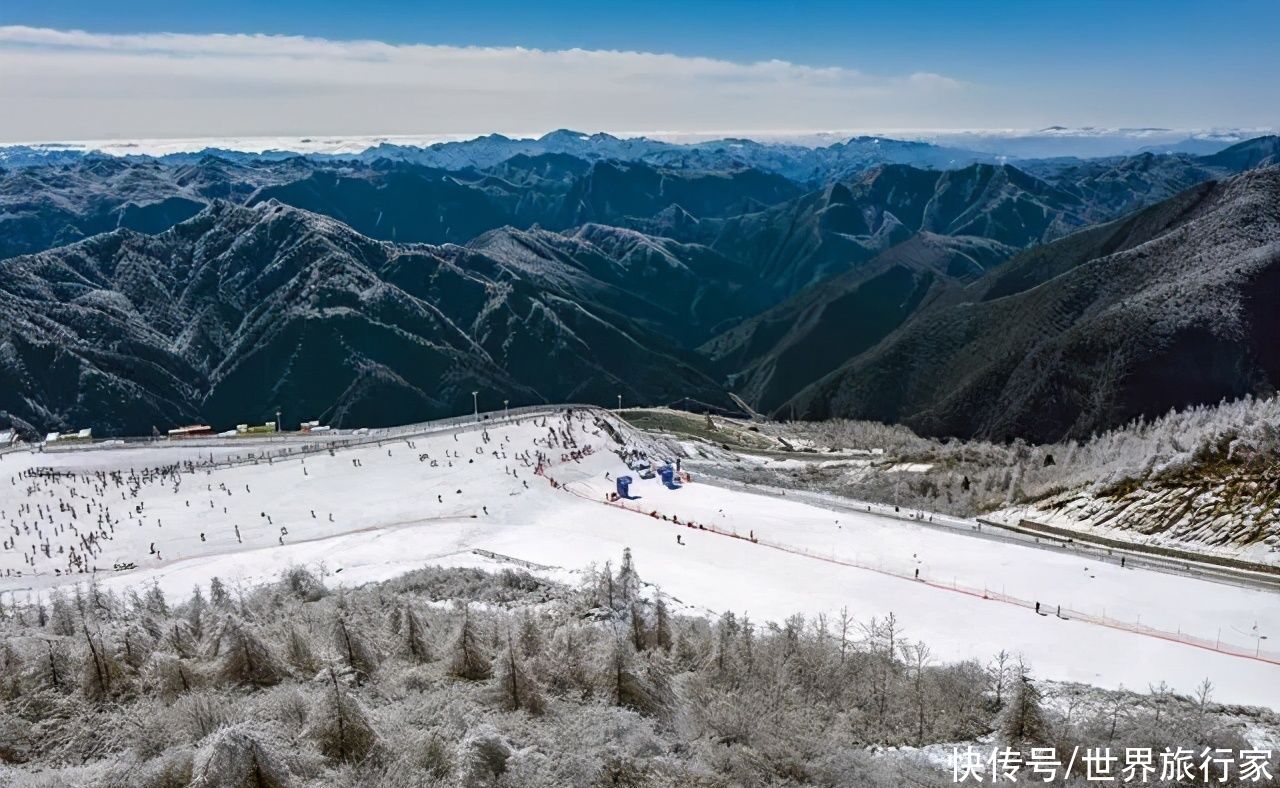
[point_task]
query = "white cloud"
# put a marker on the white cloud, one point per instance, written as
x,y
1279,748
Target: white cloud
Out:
x,y
71,83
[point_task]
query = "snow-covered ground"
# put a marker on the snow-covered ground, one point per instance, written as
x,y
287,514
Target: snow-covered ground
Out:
x,y
372,512
1229,534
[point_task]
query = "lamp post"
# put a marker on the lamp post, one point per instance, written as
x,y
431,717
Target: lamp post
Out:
x,y
619,403
506,410
475,405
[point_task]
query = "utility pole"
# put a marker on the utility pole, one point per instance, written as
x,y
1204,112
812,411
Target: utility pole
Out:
x,y
475,404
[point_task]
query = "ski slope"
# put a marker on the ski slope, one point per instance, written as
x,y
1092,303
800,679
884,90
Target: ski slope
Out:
x,y
371,512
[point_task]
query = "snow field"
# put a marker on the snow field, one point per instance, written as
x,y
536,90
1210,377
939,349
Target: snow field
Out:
x,y
393,510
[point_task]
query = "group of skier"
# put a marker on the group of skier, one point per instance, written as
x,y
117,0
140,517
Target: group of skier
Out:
x,y
68,519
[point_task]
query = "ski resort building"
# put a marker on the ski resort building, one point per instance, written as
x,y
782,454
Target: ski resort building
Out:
x,y
79,436
191,431
256,429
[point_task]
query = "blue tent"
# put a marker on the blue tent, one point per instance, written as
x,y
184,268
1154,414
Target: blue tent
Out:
x,y
624,487
668,475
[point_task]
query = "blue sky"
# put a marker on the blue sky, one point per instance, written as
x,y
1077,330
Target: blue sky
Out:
x,y
1171,63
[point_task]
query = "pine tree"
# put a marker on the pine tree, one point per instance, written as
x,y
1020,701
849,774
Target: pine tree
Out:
x,y
178,638
1022,721
154,601
639,633
410,634
354,650
530,640
10,670
298,651
304,585
170,676
726,634
565,661
661,624
102,676
135,647
245,658
195,612
628,580
339,727
62,617
235,758
633,683
514,688
467,659
218,594
53,669
998,674
606,588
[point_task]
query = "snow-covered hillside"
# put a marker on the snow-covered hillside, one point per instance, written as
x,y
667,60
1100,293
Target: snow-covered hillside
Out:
x,y
164,514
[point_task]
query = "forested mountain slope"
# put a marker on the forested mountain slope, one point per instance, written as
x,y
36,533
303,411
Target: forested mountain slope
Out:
x,y
1177,305
240,311
770,357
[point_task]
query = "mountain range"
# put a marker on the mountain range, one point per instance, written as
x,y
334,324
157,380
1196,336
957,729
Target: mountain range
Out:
x,y
954,293
811,164
1174,305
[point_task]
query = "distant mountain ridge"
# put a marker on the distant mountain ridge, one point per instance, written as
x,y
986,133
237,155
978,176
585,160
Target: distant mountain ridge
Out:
x,y
802,163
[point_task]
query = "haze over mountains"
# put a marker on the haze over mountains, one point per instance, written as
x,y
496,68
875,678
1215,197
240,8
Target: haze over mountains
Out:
x,y
874,278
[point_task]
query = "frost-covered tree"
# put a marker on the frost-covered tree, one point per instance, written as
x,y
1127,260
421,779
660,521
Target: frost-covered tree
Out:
x,y
219,596
237,757
304,585
409,634
170,676
1022,721
154,602
530,637
483,756
628,581
631,681
513,687
10,672
354,649
298,651
102,676
338,725
244,657
661,623
566,662
467,655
